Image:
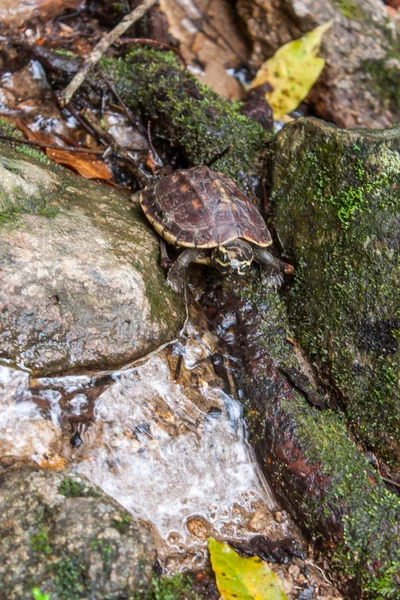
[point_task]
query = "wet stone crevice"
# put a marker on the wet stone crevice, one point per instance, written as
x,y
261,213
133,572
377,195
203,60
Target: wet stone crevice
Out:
x,y
304,450
163,449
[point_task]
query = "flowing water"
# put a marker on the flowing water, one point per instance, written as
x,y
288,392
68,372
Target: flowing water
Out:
x,y
179,462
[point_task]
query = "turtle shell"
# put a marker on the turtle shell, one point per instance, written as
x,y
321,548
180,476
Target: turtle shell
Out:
x,y
199,208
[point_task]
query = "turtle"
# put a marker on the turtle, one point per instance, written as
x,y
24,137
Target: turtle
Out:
x,y
204,213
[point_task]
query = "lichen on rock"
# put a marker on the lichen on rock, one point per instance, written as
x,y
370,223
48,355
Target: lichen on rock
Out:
x,y
81,286
70,545
337,199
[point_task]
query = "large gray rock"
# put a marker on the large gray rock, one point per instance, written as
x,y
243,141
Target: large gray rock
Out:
x,y
338,211
359,85
68,539
80,282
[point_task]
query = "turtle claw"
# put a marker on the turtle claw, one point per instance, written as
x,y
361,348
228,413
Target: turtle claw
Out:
x,y
272,281
176,284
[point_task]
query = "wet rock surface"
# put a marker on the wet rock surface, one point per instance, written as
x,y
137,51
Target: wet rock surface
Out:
x,y
60,534
81,286
173,453
359,82
318,473
337,210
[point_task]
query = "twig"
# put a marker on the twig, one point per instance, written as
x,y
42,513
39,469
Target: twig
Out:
x,y
197,24
102,47
51,146
75,113
390,481
106,138
126,110
219,33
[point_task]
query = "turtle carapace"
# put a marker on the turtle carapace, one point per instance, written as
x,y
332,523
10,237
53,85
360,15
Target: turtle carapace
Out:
x,y
206,213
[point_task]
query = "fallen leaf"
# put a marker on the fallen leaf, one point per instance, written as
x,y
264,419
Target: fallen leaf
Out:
x,y
56,463
85,164
292,71
241,578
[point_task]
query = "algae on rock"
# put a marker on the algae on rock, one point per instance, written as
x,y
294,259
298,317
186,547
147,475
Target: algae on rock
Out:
x,y
190,115
84,288
318,473
337,200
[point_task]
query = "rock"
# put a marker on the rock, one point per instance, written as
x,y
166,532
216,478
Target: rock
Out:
x,y
65,537
81,285
196,120
319,475
337,210
360,81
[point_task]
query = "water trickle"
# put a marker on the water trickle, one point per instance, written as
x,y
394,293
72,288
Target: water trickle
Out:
x,y
168,459
173,454
24,432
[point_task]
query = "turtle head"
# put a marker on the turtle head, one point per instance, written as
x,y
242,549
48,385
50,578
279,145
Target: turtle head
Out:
x,y
232,257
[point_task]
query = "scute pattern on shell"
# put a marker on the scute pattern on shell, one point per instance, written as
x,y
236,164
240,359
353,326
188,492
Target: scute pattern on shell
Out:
x,y
201,208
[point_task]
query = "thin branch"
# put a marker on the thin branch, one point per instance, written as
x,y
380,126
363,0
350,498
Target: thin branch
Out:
x,y
102,46
126,110
217,31
391,481
46,145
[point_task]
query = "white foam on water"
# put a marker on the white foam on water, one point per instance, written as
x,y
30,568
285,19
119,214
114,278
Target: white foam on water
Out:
x,y
24,432
163,458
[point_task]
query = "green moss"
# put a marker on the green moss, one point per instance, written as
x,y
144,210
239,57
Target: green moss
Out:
x,y
71,578
7,128
48,211
178,587
10,130
122,523
338,210
385,81
385,74
64,52
30,152
349,9
273,328
105,549
40,541
75,489
11,216
191,115
372,513
37,594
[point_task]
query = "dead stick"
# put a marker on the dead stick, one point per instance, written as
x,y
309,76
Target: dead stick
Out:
x,y
102,47
45,145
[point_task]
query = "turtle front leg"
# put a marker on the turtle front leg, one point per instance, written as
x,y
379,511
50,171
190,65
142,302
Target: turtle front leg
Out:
x,y
178,272
272,268
165,260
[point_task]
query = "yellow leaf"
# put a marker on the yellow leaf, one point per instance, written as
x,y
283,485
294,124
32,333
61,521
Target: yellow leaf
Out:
x,y
292,71
241,578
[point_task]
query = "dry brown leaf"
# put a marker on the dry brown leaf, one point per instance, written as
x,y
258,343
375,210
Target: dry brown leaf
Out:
x,y
16,12
56,463
85,164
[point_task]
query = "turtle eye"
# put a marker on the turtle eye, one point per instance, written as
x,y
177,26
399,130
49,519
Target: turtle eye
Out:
x,y
222,260
243,267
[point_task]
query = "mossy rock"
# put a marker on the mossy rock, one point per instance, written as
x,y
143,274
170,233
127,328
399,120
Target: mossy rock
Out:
x,y
196,120
70,546
337,200
81,284
318,473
